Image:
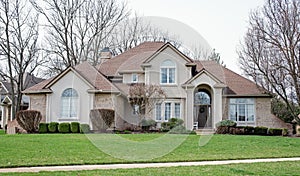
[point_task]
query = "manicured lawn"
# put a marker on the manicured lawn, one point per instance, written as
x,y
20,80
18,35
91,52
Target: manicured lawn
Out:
x,y
68,149
274,169
2,132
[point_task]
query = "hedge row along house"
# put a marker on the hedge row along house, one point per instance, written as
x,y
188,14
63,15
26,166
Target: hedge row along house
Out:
x,y
201,93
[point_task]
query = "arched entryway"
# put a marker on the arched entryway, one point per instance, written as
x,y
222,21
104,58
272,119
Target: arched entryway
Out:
x,y
203,107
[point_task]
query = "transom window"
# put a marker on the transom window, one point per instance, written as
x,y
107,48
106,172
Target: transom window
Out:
x,y
202,98
69,103
241,109
167,72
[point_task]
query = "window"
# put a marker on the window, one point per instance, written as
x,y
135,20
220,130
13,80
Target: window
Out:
x,y
136,109
167,72
69,103
242,109
134,78
177,110
158,111
167,111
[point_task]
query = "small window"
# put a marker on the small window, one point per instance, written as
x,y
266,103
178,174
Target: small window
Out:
x,y
136,109
134,78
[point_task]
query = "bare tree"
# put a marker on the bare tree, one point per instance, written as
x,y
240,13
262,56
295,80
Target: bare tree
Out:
x,y
18,45
270,53
143,98
77,29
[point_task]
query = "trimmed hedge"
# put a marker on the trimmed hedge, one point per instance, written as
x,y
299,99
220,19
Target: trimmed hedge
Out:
x,y
260,130
43,127
53,127
275,131
74,127
85,128
64,128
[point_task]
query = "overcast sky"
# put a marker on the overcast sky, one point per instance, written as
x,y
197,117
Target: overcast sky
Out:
x,y
222,23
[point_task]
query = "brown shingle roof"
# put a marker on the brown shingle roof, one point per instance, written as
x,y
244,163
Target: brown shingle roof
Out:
x,y
39,88
85,70
94,77
236,84
131,59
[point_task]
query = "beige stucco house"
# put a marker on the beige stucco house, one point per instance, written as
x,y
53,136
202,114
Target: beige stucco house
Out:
x,y
201,93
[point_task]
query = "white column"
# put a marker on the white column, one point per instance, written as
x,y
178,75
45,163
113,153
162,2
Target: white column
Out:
x,y
217,115
189,119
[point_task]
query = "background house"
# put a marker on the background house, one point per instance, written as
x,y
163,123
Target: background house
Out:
x,y
6,97
201,93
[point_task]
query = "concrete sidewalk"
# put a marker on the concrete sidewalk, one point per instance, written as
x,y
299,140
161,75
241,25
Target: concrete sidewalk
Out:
x,y
140,165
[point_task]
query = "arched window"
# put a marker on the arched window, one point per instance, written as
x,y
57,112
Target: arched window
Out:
x,y
202,98
167,72
69,103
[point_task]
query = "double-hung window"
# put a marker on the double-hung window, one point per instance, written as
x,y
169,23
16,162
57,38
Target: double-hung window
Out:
x,y
165,111
168,72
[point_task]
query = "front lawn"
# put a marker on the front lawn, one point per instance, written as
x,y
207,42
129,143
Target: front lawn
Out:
x,y
274,169
69,149
2,132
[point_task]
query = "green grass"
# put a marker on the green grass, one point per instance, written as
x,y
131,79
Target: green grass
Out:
x,y
70,149
2,132
274,169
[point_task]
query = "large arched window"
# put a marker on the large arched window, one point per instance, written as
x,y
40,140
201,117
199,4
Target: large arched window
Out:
x,y
69,103
167,72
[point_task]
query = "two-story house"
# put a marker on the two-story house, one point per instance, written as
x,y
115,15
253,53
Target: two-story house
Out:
x,y
201,93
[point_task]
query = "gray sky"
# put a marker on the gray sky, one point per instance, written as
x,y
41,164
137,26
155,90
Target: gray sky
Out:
x,y
221,22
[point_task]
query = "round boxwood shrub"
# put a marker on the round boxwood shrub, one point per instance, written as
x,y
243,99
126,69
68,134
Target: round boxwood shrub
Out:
x,y
43,127
74,127
85,128
64,128
53,127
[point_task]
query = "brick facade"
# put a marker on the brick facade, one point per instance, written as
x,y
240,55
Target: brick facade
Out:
x,y
38,102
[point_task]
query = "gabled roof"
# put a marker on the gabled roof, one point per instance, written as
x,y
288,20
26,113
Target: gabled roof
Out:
x,y
85,71
236,84
130,59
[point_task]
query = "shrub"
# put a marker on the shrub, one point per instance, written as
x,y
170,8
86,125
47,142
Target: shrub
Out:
x,y
285,132
102,118
74,127
249,130
85,128
275,131
147,124
172,123
237,130
260,130
64,128
180,129
226,123
127,132
53,127
29,120
43,127
223,127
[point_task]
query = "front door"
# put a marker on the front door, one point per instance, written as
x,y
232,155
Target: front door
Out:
x,y
204,118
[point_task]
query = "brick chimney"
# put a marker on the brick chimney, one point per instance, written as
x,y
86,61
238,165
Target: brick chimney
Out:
x,y
105,54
